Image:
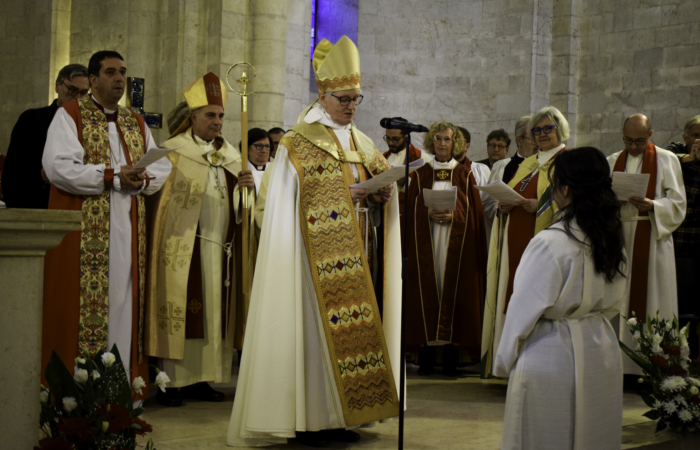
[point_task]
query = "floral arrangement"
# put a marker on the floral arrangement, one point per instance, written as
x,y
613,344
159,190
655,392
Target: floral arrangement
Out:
x,y
663,354
94,408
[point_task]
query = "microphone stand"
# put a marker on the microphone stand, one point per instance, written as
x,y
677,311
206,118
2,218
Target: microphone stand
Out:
x,y
404,280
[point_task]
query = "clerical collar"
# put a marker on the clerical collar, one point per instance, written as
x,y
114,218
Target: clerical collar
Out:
x,y
258,168
397,151
318,114
110,113
544,156
201,142
442,162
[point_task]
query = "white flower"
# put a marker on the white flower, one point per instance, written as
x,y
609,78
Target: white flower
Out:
x,y
657,404
680,400
685,415
670,407
69,404
108,359
161,380
684,331
694,381
693,390
638,348
44,396
655,341
79,360
81,375
637,335
669,325
95,374
632,322
673,383
138,384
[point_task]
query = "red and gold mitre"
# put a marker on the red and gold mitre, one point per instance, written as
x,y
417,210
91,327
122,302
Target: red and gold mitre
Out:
x,y
208,90
337,67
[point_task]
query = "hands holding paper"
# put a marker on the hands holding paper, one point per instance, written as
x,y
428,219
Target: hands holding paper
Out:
x,y
642,204
383,195
529,205
440,215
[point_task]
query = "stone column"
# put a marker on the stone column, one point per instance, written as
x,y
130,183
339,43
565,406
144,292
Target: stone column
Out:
x,y
25,235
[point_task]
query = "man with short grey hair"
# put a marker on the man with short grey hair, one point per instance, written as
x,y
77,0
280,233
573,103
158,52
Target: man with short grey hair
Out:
x,y
23,180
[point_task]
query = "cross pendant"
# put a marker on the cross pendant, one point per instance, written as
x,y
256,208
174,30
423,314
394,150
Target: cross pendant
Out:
x,y
220,188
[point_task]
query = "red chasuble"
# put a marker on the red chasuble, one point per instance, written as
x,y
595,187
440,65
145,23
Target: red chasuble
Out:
x,y
76,275
642,236
454,315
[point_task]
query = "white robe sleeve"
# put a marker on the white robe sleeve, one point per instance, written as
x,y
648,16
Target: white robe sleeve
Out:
x,y
670,203
157,172
63,159
528,302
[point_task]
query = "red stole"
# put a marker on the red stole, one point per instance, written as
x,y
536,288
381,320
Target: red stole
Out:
x,y
454,315
642,236
520,231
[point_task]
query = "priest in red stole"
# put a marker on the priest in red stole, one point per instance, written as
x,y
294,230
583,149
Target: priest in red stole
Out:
x,y
447,258
648,224
94,281
515,225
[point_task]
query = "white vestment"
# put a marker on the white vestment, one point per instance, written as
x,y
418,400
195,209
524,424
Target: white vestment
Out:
x,y
668,214
64,167
399,158
286,382
258,174
560,350
441,231
208,359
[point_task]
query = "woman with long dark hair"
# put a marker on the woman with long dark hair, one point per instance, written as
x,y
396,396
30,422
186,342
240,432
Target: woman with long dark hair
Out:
x,y
558,346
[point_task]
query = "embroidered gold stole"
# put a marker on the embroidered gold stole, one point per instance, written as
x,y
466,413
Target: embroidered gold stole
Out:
x,y
341,276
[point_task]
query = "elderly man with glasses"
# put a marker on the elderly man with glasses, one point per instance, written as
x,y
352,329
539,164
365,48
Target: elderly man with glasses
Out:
x,y
648,225
24,181
515,225
497,145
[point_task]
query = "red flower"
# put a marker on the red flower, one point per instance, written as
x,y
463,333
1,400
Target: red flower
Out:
x,y
672,350
659,360
117,417
54,443
676,370
76,427
695,400
145,427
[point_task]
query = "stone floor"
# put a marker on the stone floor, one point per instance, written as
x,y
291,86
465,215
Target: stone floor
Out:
x,y
446,413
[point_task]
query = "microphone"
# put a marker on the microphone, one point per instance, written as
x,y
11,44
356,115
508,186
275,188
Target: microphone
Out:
x,y
391,124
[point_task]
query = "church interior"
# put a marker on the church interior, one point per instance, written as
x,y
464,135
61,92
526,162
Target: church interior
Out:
x,y
480,64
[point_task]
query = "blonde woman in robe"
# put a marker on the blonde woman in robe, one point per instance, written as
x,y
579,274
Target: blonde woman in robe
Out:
x,y
558,346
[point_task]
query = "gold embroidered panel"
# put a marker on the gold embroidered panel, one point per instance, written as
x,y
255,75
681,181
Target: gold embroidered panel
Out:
x,y
343,285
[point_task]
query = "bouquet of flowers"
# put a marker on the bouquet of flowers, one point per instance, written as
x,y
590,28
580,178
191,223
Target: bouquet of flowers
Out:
x,y
94,408
662,352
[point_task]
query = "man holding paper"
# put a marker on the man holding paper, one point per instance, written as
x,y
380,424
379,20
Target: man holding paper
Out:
x,y
648,223
94,281
318,357
447,253
191,306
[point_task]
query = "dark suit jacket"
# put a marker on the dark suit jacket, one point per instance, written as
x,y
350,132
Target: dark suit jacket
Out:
x,y
22,184
512,167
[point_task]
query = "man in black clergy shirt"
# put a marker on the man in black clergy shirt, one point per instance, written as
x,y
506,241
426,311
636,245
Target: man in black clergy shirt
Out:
x,y
24,184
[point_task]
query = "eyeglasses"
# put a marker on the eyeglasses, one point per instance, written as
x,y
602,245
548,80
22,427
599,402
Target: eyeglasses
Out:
x,y
446,140
261,147
345,101
546,130
73,91
394,140
497,146
638,142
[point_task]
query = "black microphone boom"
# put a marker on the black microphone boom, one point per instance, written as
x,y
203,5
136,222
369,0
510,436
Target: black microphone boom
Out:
x,y
390,124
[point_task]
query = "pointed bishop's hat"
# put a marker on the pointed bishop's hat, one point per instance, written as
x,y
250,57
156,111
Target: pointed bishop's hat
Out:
x,y
207,90
337,67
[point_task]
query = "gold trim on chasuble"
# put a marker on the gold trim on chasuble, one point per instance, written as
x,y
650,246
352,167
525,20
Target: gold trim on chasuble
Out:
x,y
343,285
94,238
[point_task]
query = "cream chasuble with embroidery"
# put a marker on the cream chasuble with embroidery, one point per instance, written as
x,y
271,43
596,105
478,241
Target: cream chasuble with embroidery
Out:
x,y
314,358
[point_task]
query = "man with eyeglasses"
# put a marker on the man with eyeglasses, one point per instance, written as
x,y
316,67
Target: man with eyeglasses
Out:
x,y
24,181
497,144
648,224
316,340
195,217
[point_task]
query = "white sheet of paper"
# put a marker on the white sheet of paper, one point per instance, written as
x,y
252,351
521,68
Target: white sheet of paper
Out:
x,y
628,185
502,193
153,155
442,199
388,177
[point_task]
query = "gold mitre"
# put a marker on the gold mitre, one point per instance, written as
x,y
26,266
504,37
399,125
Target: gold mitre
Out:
x,y
208,90
337,67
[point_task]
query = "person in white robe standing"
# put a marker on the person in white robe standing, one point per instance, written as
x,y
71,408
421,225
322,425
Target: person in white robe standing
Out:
x,y
558,346
649,224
